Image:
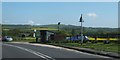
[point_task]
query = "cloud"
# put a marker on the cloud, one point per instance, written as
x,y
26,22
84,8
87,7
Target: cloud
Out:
x,y
4,21
30,22
37,24
92,15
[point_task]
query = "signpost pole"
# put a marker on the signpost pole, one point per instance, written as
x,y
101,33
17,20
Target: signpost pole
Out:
x,y
81,29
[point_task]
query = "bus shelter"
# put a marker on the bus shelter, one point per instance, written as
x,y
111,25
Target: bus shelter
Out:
x,y
44,34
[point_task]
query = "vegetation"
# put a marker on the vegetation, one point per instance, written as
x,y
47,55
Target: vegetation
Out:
x,y
24,33
70,30
26,39
112,47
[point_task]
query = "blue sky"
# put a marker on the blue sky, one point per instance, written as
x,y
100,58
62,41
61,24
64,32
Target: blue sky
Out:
x,y
95,14
60,0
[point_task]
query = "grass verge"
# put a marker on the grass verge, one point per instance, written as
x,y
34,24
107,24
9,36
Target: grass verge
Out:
x,y
112,47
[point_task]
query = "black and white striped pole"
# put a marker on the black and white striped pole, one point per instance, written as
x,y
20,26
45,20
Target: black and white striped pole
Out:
x,y
81,20
34,34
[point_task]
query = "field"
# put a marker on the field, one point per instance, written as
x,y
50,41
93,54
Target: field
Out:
x,y
102,38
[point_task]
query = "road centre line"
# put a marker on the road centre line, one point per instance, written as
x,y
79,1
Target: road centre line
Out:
x,y
32,51
61,48
72,50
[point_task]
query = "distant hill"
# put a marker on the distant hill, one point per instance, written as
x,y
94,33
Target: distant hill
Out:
x,y
69,29
62,27
16,26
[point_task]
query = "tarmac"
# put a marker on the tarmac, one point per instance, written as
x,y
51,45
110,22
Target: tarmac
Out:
x,y
92,51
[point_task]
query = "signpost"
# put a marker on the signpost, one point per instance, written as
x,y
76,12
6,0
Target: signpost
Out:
x,y
81,20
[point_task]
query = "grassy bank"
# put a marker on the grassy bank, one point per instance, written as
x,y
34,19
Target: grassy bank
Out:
x,y
112,47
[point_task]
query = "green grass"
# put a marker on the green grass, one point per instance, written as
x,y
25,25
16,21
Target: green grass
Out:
x,y
112,47
26,39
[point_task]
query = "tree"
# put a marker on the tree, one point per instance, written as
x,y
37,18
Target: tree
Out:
x,y
73,32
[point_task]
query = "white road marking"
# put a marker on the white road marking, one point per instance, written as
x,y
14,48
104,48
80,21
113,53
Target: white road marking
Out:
x,y
57,47
32,51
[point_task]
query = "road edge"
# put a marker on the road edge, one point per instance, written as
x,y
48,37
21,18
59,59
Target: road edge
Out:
x,y
117,56
86,50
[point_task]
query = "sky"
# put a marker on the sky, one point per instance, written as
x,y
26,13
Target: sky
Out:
x,y
95,14
60,0
0,13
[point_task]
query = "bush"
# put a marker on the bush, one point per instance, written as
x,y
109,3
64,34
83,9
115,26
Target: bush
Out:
x,y
94,41
106,41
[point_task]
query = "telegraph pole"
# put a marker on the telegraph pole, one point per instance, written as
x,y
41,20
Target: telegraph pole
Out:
x,y
81,20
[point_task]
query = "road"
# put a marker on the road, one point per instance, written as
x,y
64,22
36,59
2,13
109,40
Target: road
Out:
x,y
41,51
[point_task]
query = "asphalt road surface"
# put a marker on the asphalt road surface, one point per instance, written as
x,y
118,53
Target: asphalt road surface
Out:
x,y
41,51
